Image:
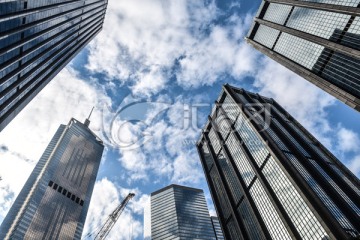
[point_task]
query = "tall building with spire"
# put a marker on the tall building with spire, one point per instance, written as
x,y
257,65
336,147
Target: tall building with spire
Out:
x,y
319,40
54,201
37,39
270,178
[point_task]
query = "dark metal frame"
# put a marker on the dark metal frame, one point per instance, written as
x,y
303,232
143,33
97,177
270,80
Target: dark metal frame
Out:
x,y
321,212
331,88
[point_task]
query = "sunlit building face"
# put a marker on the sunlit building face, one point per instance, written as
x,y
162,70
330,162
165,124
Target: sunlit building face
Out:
x,y
178,212
270,178
319,40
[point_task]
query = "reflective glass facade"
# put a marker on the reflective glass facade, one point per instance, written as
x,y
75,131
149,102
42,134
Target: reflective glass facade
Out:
x,y
55,199
217,228
270,178
319,40
37,39
179,212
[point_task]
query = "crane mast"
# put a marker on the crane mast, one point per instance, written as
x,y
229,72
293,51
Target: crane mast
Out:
x,y
114,216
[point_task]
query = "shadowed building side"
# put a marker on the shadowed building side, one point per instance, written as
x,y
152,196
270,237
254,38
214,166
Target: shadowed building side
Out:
x,y
269,178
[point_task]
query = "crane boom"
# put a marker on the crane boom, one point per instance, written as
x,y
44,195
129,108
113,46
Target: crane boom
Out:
x,y
114,216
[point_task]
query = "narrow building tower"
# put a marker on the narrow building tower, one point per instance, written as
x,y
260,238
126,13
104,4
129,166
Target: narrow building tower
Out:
x,y
55,199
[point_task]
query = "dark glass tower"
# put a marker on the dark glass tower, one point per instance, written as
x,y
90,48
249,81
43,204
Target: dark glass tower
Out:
x,y
179,212
37,39
319,40
55,199
270,178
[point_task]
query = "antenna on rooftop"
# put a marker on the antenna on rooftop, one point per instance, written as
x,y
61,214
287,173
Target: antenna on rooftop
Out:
x,y
87,121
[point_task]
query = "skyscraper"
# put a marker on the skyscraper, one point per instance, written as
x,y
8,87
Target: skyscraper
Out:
x,y
270,178
37,39
217,228
55,199
319,40
178,212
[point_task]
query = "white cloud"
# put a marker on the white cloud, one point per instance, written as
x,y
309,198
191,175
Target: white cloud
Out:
x,y
222,52
304,101
14,171
165,153
150,81
64,97
143,45
348,140
354,165
185,169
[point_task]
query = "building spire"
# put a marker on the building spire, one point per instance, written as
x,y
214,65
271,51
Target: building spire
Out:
x,y
87,121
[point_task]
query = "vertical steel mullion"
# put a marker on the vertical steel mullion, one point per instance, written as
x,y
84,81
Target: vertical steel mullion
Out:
x,y
225,187
270,192
213,191
339,164
227,155
333,227
242,182
278,206
330,171
261,14
326,186
286,21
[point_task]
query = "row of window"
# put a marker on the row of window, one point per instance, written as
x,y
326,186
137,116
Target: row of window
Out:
x,y
66,193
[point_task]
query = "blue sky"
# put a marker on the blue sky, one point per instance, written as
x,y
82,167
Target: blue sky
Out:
x,y
152,75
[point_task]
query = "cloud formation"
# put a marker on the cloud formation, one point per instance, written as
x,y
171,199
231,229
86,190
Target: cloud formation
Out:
x,y
150,45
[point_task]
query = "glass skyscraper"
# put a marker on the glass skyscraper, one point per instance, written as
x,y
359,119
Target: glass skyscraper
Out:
x,y
217,228
319,40
37,39
270,178
178,212
55,199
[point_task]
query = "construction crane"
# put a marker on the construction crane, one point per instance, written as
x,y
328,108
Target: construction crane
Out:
x,y
114,216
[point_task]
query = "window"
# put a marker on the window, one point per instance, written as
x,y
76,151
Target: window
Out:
x,y
50,183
